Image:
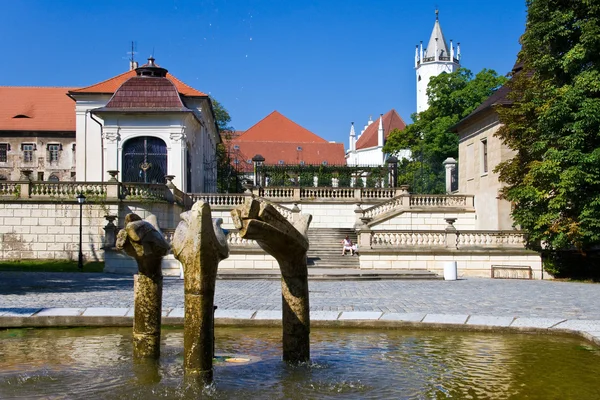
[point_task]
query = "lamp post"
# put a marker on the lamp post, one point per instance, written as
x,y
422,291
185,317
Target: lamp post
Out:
x,y
80,200
392,163
258,161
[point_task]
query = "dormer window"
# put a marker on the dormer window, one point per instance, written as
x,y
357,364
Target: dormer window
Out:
x,y
299,148
281,162
324,163
302,162
236,147
21,116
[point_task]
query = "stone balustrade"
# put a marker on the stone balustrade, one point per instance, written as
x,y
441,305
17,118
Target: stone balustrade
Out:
x,y
150,191
395,239
505,239
460,240
441,200
233,239
218,199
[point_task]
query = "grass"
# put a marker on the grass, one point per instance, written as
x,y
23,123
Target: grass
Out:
x,y
50,266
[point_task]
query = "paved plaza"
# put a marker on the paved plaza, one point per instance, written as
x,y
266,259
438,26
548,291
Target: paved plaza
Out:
x,y
472,296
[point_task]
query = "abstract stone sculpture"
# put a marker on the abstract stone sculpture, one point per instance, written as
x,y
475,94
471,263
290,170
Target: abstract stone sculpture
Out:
x,y
288,244
143,241
199,244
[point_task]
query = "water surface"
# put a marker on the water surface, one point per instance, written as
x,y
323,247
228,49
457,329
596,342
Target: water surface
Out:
x,y
91,363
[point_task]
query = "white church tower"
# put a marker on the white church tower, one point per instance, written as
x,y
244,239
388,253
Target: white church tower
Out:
x,y
437,58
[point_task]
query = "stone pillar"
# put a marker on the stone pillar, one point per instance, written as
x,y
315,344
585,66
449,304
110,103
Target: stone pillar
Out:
x,y
144,242
288,244
199,244
113,185
110,232
25,190
110,152
451,234
450,164
295,213
176,157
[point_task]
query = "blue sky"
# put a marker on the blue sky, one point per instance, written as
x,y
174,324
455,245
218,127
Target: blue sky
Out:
x,y
323,64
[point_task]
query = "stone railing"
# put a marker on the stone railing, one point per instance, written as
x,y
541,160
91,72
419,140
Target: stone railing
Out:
x,y
408,239
411,201
67,189
305,194
217,199
151,191
382,208
109,191
233,239
11,189
491,239
448,239
441,200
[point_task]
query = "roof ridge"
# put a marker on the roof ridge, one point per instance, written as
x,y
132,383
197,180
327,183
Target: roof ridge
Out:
x,y
39,87
104,81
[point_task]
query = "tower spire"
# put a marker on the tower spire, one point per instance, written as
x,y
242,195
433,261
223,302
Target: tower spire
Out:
x,y
436,58
352,137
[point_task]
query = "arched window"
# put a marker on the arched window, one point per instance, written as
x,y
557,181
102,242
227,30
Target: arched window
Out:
x,y
144,160
53,178
3,178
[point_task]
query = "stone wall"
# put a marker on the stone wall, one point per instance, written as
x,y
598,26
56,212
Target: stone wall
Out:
x,y
477,263
49,230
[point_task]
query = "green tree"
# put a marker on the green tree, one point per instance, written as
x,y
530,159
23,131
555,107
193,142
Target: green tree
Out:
x,y
227,175
553,125
451,98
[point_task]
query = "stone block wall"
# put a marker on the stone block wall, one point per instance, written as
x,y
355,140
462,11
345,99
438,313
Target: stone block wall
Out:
x,y
47,230
473,263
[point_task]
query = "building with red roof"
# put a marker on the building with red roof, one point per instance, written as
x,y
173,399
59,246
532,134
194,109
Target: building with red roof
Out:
x,y
367,147
37,133
281,141
143,123
149,125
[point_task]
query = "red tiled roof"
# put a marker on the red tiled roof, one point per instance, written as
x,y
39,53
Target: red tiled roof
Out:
x,y
111,85
43,108
140,93
391,121
277,128
274,152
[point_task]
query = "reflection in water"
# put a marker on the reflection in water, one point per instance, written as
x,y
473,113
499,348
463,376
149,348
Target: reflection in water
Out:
x,y
346,364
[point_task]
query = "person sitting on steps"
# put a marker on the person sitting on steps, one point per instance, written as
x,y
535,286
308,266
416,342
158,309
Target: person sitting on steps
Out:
x,y
347,246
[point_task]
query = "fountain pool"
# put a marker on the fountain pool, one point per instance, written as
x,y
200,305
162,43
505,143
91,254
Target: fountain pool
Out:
x,y
97,363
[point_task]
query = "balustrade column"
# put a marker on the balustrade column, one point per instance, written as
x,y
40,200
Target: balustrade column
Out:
x,y
450,165
451,234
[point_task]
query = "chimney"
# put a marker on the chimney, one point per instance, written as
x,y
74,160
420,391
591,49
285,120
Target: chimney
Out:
x,y
133,65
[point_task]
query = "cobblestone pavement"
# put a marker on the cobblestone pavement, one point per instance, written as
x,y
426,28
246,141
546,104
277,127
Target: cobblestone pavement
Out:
x,y
473,296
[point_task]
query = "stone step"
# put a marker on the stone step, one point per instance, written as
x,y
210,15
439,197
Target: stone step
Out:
x,y
332,274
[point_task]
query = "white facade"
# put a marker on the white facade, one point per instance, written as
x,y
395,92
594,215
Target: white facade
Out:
x,y
436,59
100,139
372,155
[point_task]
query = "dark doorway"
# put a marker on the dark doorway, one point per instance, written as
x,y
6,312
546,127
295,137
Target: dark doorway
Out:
x,y
145,160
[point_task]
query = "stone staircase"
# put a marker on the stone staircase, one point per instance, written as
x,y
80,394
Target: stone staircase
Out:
x,y
326,248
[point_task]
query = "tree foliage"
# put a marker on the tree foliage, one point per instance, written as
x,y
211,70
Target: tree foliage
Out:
x,y
452,97
553,126
227,176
